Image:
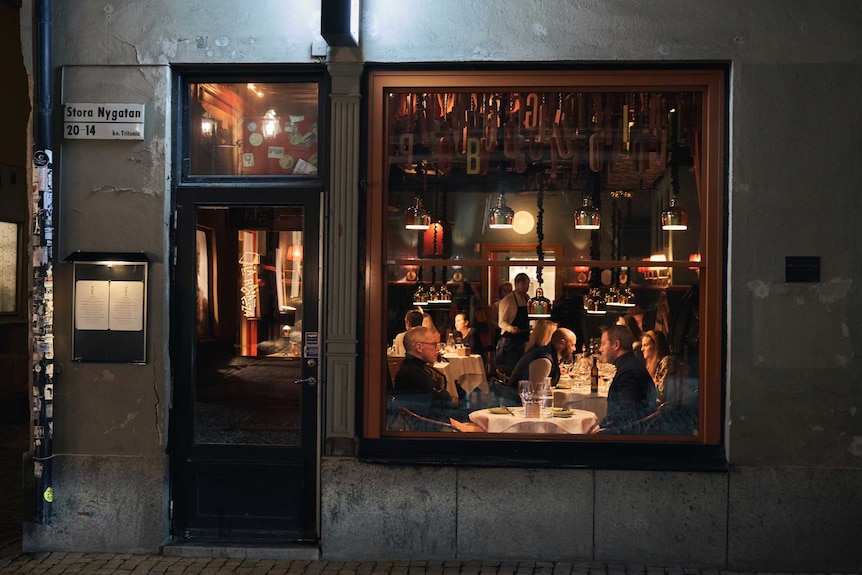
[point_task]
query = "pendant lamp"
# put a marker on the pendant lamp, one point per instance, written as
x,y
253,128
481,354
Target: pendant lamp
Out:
x,y
420,296
539,306
674,218
417,217
501,215
588,217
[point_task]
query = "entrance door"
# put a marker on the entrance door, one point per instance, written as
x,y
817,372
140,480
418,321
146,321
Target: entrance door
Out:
x,y
244,422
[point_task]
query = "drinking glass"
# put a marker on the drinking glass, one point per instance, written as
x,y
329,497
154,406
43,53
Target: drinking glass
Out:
x,y
546,398
530,398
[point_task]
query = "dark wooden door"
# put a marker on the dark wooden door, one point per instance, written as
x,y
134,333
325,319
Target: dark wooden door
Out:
x,y
245,318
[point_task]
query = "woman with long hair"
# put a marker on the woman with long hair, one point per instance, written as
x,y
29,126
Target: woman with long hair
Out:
x,y
661,365
541,334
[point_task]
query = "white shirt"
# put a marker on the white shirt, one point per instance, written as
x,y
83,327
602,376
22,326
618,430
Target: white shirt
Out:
x,y
507,311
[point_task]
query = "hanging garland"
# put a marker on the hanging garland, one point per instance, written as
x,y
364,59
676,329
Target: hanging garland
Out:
x,y
540,234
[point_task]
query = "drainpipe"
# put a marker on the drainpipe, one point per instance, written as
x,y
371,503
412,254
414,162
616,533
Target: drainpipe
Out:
x,y
43,267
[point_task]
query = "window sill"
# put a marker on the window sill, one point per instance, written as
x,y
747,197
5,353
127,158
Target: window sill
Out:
x,y
537,454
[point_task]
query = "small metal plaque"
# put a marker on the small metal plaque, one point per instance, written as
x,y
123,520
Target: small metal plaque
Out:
x,y
802,269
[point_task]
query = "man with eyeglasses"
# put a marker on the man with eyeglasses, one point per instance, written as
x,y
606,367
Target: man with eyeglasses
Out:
x,y
417,380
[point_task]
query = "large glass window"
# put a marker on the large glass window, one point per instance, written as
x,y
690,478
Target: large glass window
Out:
x,y
603,191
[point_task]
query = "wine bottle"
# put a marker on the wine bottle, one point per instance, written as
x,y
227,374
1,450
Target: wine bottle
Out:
x,y
594,377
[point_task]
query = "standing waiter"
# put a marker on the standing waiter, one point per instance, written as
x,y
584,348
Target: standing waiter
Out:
x,y
514,325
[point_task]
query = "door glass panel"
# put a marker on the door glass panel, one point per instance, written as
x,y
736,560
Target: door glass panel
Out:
x,y
254,129
248,325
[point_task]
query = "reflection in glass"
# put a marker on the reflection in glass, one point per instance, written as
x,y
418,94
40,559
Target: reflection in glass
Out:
x,y
254,129
248,325
599,170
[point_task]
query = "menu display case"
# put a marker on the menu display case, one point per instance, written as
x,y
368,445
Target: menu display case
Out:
x,y
109,311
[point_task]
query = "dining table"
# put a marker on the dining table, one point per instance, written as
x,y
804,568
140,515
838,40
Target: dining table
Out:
x,y
464,371
514,420
574,392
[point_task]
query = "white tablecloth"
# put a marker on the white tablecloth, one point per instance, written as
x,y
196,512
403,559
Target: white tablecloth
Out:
x,y
575,393
580,422
468,371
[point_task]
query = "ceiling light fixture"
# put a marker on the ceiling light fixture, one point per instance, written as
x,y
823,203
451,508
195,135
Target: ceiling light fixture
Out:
x,y
501,215
588,217
674,218
416,217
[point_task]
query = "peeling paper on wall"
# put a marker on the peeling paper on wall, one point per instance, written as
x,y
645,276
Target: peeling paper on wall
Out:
x,y
856,446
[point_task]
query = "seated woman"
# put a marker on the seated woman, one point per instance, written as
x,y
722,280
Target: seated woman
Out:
x,y
464,333
541,334
661,365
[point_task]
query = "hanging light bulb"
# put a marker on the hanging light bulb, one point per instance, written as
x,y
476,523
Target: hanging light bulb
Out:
x,y
588,217
501,215
416,217
674,218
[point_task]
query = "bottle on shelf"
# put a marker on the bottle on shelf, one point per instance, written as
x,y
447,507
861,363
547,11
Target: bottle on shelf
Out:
x,y
594,377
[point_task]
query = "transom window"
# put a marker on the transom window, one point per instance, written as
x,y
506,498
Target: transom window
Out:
x,y
604,190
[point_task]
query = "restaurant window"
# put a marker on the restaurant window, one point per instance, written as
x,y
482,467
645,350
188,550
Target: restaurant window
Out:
x,y
604,189
253,129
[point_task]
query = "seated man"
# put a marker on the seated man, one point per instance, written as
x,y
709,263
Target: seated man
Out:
x,y
417,380
540,362
544,361
632,394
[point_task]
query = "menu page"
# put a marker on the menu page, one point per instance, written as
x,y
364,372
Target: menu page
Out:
x,y
109,305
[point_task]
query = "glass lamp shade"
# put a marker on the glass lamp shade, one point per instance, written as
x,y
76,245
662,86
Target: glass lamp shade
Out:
x,y
539,305
501,215
626,297
674,218
444,295
416,217
420,296
594,302
588,217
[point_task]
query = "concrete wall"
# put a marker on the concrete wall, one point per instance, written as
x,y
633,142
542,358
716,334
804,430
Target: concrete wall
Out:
x,y
793,429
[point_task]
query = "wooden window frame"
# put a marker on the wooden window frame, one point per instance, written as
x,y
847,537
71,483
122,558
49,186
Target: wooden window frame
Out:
x,y
709,81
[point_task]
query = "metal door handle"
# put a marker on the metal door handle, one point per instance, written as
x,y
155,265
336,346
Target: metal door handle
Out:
x,y
308,380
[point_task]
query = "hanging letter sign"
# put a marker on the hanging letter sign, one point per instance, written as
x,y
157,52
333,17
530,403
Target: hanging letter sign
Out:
x,y
103,122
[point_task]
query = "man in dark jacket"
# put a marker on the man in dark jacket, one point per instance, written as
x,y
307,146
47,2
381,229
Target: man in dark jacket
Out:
x,y
632,394
417,380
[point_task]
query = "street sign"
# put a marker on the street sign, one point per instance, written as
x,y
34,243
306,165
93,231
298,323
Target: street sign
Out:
x,y
103,122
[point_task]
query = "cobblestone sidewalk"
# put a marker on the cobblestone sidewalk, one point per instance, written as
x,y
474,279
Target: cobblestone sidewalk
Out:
x,y
104,564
